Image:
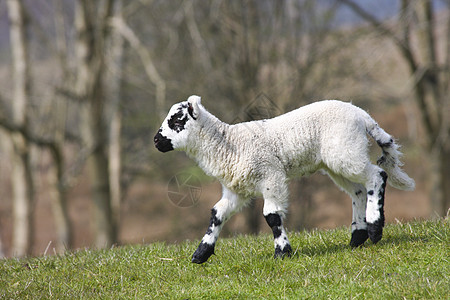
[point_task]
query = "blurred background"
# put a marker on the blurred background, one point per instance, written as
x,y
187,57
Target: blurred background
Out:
x,y
85,85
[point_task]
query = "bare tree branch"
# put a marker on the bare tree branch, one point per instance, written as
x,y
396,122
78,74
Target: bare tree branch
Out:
x,y
199,42
150,69
384,30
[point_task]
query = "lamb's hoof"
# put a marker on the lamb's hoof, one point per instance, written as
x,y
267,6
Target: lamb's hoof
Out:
x,y
359,236
203,252
375,231
282,253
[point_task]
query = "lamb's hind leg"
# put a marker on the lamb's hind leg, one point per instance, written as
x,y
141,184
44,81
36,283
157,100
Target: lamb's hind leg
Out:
x,y
359,224
375,203
358,194
275,204
220,213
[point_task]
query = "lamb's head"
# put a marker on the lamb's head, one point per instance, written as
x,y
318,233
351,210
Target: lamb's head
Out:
x,y
180,121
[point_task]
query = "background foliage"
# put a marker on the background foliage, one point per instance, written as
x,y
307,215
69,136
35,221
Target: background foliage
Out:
x,y
85,85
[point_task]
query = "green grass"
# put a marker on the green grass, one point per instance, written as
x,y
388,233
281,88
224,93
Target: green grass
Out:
x,y
411,262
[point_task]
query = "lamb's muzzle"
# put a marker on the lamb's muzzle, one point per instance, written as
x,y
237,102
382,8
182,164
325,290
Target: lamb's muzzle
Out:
x,y
162,143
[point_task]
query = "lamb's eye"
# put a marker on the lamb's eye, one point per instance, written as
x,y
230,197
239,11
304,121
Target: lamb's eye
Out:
x,y
177,122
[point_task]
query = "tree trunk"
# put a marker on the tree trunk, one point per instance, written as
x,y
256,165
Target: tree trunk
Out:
x,y
114,155
445,171
105,229
432,101
22,196
21,174
58,198
2,253
114,63
91,25
57,190
439,181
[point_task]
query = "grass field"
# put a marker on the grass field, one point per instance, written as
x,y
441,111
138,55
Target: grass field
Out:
x,y
411,262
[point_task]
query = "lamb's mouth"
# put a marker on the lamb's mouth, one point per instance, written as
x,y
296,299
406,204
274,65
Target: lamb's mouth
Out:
x,y
162,143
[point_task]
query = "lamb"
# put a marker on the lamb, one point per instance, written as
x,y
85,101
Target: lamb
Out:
x,y
259,157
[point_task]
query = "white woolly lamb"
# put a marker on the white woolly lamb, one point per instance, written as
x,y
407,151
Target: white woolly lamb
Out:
x,y
258,158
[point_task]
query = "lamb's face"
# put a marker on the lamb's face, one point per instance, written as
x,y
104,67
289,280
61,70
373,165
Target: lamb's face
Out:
x,y
174,131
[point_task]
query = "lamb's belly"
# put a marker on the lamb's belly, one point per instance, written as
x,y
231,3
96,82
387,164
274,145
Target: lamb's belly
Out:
x,y
302,171
302,165
242,183
299,152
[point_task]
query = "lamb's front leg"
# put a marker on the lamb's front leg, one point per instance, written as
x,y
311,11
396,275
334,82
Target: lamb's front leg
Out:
x,y
282,246
275,205
220,213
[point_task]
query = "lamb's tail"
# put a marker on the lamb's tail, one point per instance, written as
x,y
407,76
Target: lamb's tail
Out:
x,y
390,159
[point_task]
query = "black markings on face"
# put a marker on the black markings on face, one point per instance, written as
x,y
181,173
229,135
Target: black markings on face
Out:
x,y
358,193
370,192
178,120
162,143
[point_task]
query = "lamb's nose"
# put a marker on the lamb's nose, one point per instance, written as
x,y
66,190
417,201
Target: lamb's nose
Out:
x,y
157,137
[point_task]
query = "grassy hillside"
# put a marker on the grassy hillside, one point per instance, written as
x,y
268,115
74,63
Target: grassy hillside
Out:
x,y
411,261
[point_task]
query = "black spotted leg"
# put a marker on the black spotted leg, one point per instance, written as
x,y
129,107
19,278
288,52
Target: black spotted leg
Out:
x,y
282,246
275,196
221,212
375,205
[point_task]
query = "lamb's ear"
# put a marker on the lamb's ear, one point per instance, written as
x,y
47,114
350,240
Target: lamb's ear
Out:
x,y
193,106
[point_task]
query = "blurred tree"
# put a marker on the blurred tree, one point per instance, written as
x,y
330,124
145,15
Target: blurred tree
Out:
x,y
114,62
93,32
21,178
96,94
92,88
57,142
19,126
431,76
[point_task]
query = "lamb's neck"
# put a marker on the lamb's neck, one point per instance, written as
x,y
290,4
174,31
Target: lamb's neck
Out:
x,y
212,145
